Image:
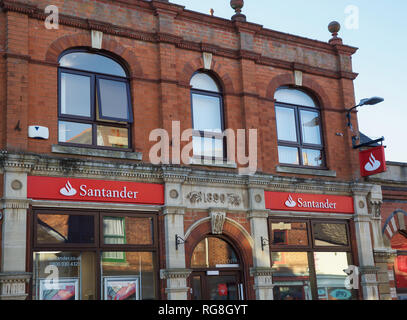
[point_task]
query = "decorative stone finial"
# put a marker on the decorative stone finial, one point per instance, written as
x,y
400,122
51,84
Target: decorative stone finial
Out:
x,y
334,28
237,5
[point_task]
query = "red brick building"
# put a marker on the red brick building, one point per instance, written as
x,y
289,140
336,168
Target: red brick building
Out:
x,y
393,212
80,96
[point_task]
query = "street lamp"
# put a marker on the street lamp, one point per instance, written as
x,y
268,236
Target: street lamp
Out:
x,y
363,102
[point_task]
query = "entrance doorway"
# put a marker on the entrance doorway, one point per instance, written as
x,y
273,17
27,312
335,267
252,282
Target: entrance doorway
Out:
x,y
217,271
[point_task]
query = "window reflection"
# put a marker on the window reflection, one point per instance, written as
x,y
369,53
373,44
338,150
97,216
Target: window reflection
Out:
x,y
131,279
298,123
291,276
310,127
112,137
330,234
289,233
286,124
207,117
92,62
214,253
73,132
64,228
288,155
331,278
94,101
75,94
64,276
128,230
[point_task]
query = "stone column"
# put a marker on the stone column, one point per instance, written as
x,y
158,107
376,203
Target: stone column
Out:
x,y
14,228
368,270
261,271
175,273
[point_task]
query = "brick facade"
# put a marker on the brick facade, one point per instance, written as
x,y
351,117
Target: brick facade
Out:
x,y
161,58
162,45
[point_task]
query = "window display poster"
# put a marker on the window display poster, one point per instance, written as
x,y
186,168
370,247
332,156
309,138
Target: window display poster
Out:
x,y
61,289
121,288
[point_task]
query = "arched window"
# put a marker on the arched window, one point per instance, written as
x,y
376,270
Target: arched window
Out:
x,y
298,128
94,101
214,252
207,117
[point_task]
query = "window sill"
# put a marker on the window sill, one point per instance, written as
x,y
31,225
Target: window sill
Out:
x,y
97,153
212,163
306,171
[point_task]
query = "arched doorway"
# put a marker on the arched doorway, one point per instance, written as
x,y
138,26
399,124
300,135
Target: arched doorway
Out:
x,y
217,270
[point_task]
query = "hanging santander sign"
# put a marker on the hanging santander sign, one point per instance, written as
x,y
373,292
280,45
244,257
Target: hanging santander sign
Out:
x,y
72,189
372,161
287,201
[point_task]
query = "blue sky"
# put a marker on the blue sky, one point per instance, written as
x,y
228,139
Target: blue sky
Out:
x,y
380,61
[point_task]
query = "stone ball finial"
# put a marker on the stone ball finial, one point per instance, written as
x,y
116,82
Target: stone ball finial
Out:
x,y
334,28
237,5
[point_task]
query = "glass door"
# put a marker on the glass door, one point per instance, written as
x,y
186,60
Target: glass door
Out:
x,y
216,285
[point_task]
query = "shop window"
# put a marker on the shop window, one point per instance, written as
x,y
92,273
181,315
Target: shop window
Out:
x,y
134,281
298,129
291,276
306,270
330,234
65,229
213,252
70,263
64,275
94,101
330,276
289,233
114,233
128,230
207,118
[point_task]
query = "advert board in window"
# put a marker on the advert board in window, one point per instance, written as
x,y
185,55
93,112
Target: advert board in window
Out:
x,y
122,288
61,289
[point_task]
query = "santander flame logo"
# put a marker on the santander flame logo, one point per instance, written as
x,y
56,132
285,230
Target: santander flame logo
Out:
x,y
68,190
290,202
372,164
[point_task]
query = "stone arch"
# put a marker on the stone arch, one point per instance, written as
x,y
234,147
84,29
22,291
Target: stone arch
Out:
x,y
83,39
217,71
308,83
394,223
237,235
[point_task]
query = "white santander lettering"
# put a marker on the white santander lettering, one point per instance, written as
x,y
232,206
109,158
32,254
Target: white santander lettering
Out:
x,y
107,193
83,190
315,204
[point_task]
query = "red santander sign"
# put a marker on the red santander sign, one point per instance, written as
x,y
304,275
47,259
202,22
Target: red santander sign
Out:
x,y
372,161
73,189
286,201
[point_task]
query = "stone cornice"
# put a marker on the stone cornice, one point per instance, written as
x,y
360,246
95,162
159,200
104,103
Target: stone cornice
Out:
x,y
284,184
121,31
360,189
17,162
49,165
